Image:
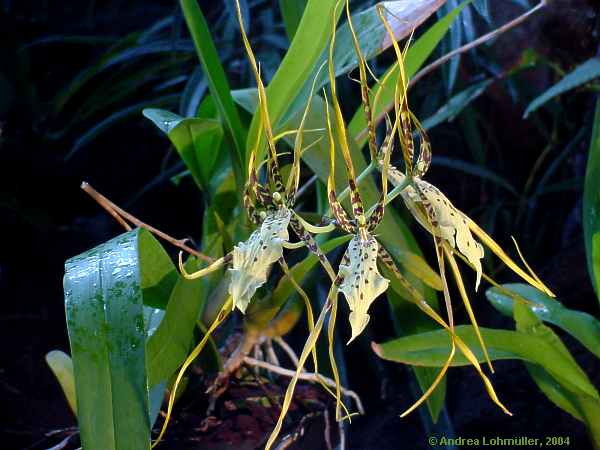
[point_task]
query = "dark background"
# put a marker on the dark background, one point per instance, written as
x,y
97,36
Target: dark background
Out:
x,y
45,218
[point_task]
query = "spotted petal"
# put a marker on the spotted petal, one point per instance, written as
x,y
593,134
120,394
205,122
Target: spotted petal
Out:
x,y
452,224
362,282
253,258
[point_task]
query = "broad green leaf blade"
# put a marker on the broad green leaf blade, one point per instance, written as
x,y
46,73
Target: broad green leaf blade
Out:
x,y
62,367
553,390
431,349
417,55
217,81
591,205
291,12
580,325
582,74
105,320
197,140
581,406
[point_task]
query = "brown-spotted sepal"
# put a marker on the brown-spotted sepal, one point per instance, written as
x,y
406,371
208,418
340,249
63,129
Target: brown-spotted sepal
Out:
x,y
362,283
253,258
452,225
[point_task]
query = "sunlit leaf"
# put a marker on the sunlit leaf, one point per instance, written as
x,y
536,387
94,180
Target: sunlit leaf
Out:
x,y
291,13
582,326
403,16
431,349
581,406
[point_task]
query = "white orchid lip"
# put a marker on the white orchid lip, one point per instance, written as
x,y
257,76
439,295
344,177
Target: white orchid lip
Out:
x,y
253,258
362,283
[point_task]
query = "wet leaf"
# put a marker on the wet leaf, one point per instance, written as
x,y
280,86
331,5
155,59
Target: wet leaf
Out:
x,y
197,140
581,406
105,320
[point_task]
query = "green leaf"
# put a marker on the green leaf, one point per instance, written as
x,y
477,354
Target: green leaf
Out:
x,y
417,55
105,319
408,319
62,367
580,325
197,140
169,345
372,37
580,406
456,104
291,12
582,74
431,349
591,205
217,81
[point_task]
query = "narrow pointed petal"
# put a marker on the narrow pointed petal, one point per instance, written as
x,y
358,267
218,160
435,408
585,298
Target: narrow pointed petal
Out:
x,y
253,258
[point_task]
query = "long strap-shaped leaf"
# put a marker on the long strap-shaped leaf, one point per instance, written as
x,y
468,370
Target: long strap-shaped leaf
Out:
x,y
215,74
104,306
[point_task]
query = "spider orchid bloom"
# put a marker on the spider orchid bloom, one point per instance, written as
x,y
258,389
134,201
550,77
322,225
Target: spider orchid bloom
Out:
x,y
451,229
428,204
269,206
252,259
358,277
